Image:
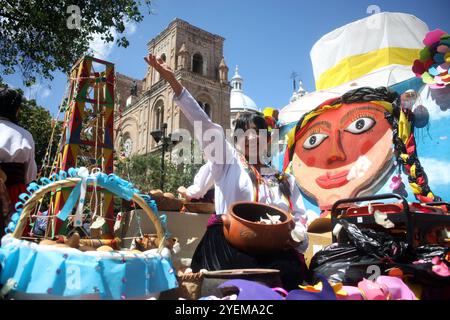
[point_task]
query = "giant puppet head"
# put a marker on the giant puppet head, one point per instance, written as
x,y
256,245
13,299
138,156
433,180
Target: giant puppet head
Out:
x,y
347,147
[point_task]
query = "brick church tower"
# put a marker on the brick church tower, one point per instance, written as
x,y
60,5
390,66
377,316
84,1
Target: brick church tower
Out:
x,y
197,58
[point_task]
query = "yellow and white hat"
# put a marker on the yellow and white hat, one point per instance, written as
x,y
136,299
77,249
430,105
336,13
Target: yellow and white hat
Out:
x,y
383,45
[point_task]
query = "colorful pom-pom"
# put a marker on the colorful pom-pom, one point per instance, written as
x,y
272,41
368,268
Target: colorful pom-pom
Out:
x,y
434,60
433,36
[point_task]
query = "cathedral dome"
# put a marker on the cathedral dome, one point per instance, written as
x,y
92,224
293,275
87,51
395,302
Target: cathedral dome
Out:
x,y
238,100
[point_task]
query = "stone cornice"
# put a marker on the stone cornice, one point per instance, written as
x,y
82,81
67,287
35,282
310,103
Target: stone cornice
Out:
x,y
200,80
185,26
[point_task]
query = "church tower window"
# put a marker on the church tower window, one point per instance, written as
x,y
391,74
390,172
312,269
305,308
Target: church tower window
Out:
x,y
207,109
158,115
197,63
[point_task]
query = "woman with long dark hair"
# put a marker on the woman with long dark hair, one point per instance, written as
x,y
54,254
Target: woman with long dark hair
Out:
x,y
238,178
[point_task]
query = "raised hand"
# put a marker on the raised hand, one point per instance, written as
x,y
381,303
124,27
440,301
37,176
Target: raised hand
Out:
x,y
165,71
160,66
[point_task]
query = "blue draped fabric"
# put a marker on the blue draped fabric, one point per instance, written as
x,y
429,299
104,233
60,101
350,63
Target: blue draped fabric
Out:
x,y
67,272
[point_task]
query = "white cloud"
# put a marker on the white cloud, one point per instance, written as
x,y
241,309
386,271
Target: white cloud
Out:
x,y
45,93
31,92
436,111
130,28
103,50
37,90
100,48
437,171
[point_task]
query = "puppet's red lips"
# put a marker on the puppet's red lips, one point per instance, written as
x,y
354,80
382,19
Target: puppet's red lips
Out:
x,y
330,181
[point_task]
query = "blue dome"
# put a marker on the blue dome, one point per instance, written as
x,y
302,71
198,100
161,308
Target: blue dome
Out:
x,y
238,100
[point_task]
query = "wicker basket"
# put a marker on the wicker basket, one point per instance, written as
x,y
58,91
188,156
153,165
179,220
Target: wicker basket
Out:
x,y
168,204
200,207
163,279
70,183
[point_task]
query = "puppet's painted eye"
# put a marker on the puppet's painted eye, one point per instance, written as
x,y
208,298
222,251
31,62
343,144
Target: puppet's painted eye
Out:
x,y
314,140
360,125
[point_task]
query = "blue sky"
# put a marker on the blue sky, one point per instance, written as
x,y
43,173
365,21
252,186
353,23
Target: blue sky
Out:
x,y
268,39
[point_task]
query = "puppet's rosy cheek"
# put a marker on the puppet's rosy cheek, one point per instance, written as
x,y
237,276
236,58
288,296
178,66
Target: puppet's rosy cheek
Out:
x,y
366,146
310,161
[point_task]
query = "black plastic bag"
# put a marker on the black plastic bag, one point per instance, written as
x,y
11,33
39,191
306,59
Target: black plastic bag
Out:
x,y
419,265
428,252
362,253
375,243
345,263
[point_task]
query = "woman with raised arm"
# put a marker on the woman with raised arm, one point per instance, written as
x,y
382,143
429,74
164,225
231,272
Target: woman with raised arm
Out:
x,y
238,178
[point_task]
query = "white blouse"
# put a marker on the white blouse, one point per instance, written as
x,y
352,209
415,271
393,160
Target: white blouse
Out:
x,y
17,145
232,182
203,181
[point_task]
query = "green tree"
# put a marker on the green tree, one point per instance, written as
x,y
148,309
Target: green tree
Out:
x,y
144,171
39,37
38,121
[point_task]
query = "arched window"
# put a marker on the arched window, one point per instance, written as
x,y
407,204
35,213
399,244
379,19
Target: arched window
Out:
x,y
127,146
197,63
163,56
158,115
207,109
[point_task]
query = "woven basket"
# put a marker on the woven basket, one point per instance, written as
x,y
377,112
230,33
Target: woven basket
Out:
x,y
20,270
70,183
168,204
200,207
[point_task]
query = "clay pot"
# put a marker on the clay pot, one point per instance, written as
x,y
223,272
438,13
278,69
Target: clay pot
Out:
x,y
242,230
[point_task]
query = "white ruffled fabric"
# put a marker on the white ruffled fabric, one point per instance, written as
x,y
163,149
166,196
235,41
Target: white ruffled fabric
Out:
x,y
17,145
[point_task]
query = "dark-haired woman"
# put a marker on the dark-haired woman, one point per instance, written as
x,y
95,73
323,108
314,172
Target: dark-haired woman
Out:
x,y
242,176
16,150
